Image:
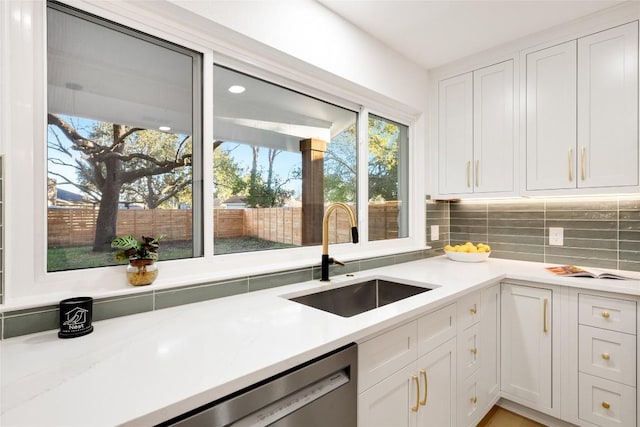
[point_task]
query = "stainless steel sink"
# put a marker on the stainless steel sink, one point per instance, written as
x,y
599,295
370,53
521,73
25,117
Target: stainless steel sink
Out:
x,y
354,299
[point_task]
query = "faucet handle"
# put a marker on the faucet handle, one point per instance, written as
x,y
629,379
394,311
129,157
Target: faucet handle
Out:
x,y
335,261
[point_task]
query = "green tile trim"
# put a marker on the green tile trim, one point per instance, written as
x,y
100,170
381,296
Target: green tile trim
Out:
x,y
266,281
368,264
30,321
109,308
197,293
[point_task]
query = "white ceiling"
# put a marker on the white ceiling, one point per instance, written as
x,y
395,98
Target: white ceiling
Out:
x,y
435,32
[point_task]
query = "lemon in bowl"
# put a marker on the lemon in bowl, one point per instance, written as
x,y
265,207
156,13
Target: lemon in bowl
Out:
x,y
468,252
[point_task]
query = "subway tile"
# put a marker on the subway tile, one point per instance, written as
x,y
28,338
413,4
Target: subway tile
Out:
x,y
592,262
468,206
267,281
517,247
192,294
461,238
629,225
468,216
511,206
629,204
628,265
524,239
412,256
30,321
591,243
430,253
582,224
604,254
520,256
629,256
516,223
608,234
591,205
516,231
370,263
629,235
516,215
583,215
630,215
109,308
629,245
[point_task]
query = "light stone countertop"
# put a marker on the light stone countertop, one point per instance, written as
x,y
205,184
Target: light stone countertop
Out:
x,y
146,368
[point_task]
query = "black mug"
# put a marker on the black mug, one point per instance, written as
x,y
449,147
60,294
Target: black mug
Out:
x,y
75,317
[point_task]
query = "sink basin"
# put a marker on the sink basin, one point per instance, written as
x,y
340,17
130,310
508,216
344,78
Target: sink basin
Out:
x,y
359,297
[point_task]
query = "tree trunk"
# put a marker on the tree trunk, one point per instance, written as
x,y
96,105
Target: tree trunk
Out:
x,y
110,185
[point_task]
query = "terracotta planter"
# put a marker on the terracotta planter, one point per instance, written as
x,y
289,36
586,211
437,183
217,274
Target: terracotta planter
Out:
x,y
141,272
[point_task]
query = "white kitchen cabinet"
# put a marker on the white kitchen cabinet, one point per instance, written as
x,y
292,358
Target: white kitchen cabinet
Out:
x,y
475,131
455,134
407,376
582,112
526,338
608,108
551,117
478,354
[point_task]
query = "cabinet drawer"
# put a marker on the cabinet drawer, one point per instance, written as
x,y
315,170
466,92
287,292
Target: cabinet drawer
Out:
x,y
469,402
606,403
436,328
469,355
468,310
608,313
385,354
608,354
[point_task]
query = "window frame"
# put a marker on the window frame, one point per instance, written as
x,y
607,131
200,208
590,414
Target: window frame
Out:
x,y
27,281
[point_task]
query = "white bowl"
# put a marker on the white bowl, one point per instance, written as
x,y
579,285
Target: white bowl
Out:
x,y
467,256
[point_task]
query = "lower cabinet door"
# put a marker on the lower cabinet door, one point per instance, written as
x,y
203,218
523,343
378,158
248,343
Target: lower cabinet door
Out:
x,y
606,403
470,402
438,386
391,402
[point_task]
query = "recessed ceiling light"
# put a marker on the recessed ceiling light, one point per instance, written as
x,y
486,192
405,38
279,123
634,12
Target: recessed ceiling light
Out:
x,y
236,89
164,128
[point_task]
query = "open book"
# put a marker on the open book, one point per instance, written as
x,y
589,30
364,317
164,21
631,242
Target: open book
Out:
x,y
573,271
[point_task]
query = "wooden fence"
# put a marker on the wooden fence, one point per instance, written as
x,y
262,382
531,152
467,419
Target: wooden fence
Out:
x,y
76,227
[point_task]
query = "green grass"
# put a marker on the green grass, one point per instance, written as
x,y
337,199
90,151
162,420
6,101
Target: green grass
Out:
x,y
80,257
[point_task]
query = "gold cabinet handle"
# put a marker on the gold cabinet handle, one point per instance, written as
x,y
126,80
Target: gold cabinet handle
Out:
x,y
474,351
415,379
473,310
474,400
583,153
605,314
545,327
423,374
606,405
606,356
570,164
477,173
468,173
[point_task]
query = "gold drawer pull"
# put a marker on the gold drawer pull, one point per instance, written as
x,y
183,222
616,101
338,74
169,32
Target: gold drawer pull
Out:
x,y
474,350
415,379
545,327
474,400
605,314
423,374
606,356
606,405
473,310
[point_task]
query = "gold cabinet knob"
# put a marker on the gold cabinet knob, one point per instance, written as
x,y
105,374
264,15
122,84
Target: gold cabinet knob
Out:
x,y
606,405
605,314
473,310
474,400
474,350
606,356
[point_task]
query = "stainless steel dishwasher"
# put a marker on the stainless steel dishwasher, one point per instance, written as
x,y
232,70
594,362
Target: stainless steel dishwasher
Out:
x,y
321,392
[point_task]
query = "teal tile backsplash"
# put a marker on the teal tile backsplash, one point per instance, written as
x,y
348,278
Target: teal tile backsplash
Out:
x,y
598,232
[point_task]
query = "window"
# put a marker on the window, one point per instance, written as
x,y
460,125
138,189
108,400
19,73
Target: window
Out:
x,y
388,179
279,158
124,144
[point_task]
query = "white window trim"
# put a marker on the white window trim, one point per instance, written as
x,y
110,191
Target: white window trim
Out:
x,y
28,283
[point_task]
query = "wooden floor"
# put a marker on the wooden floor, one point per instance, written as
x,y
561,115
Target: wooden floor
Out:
x,y
498,417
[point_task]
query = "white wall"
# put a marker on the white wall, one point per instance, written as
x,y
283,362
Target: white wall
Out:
x,y
312,33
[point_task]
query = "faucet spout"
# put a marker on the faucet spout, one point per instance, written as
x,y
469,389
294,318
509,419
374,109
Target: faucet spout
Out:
x,y
325,236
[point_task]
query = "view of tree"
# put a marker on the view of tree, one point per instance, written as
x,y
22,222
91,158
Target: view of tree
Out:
x,y
115,160
383,160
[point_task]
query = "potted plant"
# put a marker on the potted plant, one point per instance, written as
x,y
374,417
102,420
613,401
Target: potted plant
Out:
x,y
141,255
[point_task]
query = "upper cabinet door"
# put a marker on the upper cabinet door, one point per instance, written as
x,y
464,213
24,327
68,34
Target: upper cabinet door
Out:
x,y
493,139
608,108
551,117
455,135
